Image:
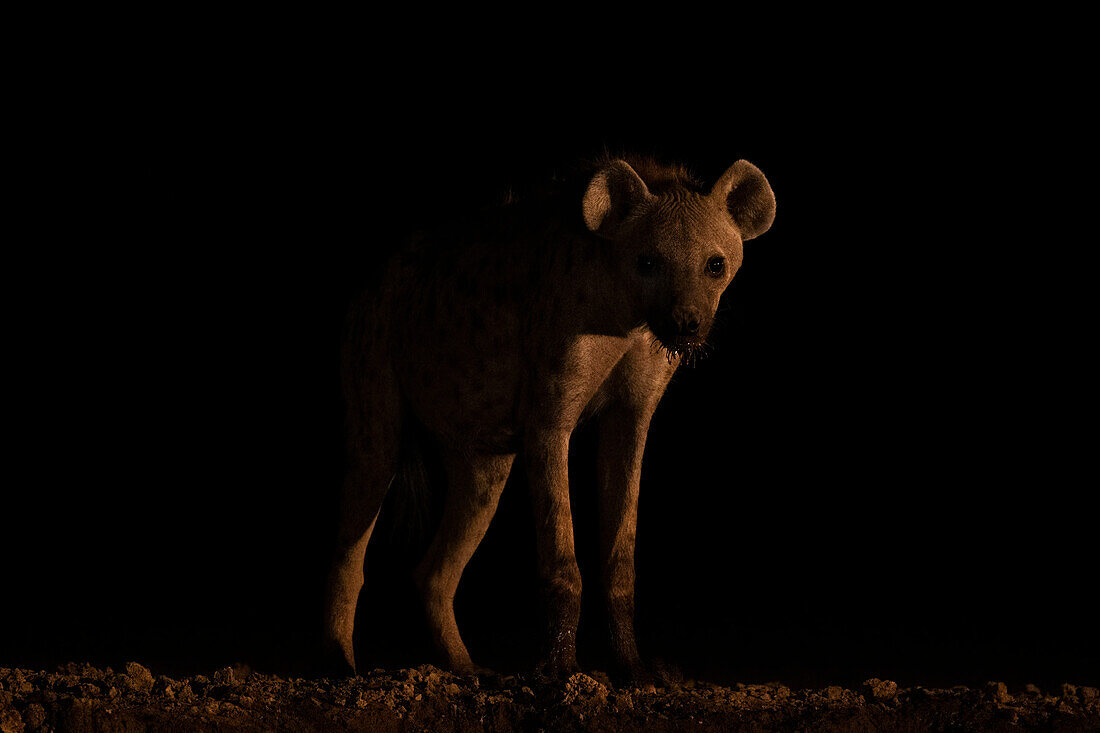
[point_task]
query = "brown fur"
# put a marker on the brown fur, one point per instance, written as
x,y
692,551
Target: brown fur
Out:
x,y
498,335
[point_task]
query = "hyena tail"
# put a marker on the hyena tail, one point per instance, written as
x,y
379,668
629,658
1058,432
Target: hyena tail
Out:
x,y
411,504
407,510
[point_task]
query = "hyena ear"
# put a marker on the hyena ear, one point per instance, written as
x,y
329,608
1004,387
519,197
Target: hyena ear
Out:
x,y
614,191
744,192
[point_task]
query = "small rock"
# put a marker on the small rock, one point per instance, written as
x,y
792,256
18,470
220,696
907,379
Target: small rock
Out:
x,y
224,676
832,692
10,721
18,684
220,692
164,687
875,689
235,675
623,701
34,716
141,677
79,669
997,691
582,686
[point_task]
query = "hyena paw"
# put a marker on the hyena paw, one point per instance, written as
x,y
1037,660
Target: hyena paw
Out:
x,y
333,664
473,670
649,675
557,666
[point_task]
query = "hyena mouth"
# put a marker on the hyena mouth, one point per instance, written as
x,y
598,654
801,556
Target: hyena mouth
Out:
x,y
688,352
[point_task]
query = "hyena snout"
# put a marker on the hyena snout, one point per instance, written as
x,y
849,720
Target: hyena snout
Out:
x,y
687,321
682,327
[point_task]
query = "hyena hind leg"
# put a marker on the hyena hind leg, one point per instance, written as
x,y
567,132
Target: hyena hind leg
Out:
x,y
374,427
474,485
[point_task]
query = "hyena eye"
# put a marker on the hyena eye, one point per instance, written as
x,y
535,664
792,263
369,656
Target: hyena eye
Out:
x,y
716,266
647,265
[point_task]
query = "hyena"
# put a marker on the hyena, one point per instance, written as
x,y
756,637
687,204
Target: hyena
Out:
x,y
500,335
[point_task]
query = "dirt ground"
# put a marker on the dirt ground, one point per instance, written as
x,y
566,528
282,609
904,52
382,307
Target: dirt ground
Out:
x,y
79,697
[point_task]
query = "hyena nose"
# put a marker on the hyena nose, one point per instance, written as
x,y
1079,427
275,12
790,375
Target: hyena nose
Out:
x,y
687,321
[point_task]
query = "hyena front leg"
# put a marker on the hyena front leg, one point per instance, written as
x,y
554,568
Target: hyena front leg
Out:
x,y
635,388
474,485
622,435
547,456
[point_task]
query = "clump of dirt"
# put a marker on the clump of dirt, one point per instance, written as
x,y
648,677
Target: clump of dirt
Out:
x,y
80,697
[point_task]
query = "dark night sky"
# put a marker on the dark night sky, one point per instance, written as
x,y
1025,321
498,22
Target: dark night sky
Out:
x,y
878,473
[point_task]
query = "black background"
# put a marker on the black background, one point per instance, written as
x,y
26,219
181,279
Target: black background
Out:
x,y
883,470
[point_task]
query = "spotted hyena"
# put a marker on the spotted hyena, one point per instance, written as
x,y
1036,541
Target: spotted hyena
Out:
x,y
498,335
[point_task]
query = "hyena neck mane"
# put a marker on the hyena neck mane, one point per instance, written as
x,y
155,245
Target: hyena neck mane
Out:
x,y
567,187
659,177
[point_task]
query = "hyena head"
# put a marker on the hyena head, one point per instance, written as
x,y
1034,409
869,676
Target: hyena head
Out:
x,y
677,245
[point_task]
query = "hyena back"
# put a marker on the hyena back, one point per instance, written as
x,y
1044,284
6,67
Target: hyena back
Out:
x,y
499,336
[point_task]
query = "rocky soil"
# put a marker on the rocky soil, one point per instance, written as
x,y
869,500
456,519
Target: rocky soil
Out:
x,y
79,697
